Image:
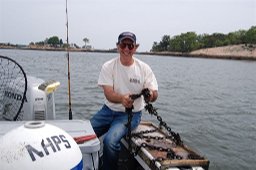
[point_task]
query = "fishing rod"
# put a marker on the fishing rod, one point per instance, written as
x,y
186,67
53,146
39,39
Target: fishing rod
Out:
x,y
67,49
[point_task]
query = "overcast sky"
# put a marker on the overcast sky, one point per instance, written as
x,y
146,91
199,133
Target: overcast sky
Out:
x,y
101,21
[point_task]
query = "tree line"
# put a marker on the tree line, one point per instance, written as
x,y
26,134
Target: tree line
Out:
x,y
55,41
190,41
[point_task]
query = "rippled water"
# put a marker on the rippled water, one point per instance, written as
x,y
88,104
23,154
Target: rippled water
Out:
x,y
210,102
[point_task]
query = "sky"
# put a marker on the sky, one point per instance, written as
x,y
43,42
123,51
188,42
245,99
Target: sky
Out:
x,y
101,21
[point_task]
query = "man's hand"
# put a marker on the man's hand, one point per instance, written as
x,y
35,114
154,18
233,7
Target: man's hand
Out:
x,y
149,95
127,102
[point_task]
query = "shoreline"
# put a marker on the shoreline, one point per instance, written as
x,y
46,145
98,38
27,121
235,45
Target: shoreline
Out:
x,y
236,52
209,56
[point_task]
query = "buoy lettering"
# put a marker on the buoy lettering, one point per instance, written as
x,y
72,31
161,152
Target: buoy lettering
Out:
x,y
63,139
50,143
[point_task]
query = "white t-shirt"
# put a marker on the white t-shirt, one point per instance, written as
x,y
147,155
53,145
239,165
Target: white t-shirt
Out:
x,y
127,80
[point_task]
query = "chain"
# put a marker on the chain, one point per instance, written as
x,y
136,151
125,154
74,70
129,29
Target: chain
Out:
x,y
128,125
172,135
175,137
153,111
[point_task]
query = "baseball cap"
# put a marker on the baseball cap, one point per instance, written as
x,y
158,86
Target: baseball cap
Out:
x,y
127,35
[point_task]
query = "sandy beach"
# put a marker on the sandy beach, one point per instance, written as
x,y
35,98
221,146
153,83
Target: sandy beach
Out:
x,y
232,51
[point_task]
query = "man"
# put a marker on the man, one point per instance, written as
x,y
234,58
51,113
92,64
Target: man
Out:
x,y
121,77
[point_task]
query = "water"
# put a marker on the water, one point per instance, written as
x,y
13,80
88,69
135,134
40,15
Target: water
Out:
x,y
210,102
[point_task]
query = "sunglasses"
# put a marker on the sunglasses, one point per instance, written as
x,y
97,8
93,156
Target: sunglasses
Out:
x,y
123,46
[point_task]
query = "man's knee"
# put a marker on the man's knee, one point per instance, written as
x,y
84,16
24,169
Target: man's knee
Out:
x,y
111,143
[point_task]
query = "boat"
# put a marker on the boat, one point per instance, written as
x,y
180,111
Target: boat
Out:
x,y
28,102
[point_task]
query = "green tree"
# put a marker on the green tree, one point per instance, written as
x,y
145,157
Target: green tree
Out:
x,y
155,46
164,44
190,42
176,43
54,41
250,35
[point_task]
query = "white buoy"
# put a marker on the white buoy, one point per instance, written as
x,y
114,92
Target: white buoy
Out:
x,y
41,146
